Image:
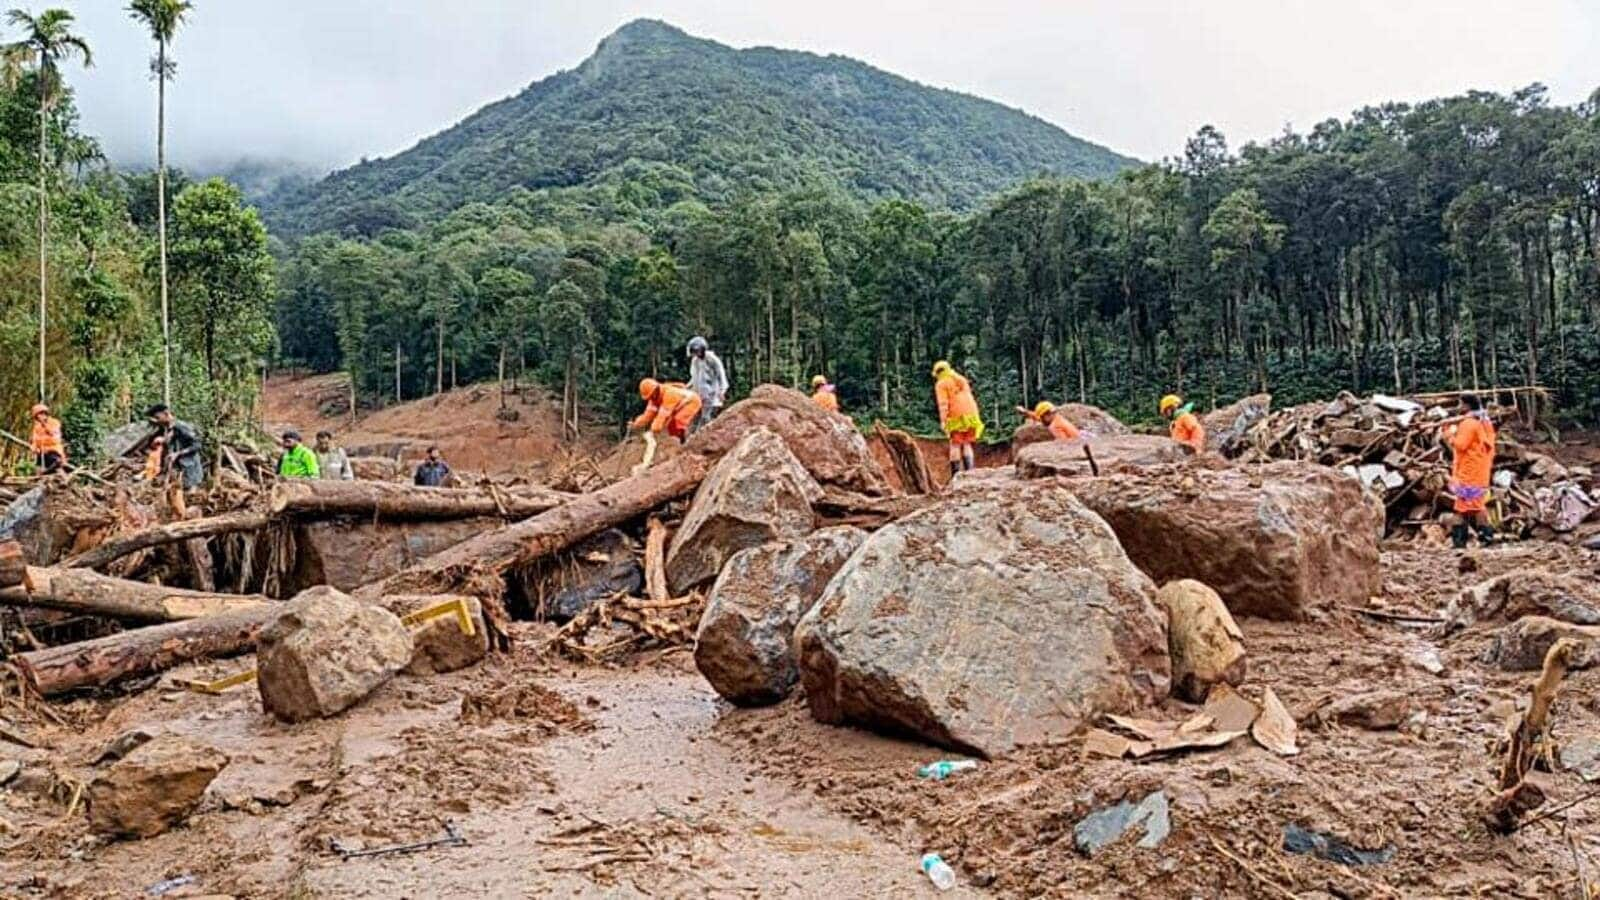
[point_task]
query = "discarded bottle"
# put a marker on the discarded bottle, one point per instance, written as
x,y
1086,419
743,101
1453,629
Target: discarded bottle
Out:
x,y
942,876
944,768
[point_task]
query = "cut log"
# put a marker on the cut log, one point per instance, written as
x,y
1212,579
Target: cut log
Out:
x,y
655,567
86,591
312,498
12,563
141,651
477,566
118,547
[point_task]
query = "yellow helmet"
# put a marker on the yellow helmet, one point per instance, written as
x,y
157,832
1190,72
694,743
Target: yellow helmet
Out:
x,y
648,388
1044,408
818,380
1170,402
941,367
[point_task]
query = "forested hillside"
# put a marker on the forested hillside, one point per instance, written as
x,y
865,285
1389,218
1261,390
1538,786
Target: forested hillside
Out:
x,y
1451,243
705,121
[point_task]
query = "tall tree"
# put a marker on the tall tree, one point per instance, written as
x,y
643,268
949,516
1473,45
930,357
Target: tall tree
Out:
x,y
46,43
162,17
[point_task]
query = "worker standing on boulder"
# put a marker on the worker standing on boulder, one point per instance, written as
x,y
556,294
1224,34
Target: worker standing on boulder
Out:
x,y
822,393
1061,429
1472,445
298,461
958,415
49,450
708,378
1186,427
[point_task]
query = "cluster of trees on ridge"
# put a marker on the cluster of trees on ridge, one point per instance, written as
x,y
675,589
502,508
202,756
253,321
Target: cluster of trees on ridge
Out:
x,y
1454,243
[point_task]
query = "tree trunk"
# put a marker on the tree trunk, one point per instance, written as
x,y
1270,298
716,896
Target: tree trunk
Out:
x,y
309,498
487,557
12,563
438,375
85,591
161,216
43,207
142,651
172,532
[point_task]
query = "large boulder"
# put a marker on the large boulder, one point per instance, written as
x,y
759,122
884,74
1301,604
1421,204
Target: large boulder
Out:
x,y
744,646
347,553
1276,541
1227,428
1093,421
154,787
1134,451
756,493
325,652
828,445
1004,615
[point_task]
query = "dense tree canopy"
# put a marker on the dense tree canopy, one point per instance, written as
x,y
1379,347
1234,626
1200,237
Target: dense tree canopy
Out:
x,y
1451,243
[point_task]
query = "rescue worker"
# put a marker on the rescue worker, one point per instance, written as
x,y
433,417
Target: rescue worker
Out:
x,y
182,444
1472,445
822,393
669,407
958,415
433,471
1186,427
49,450
1046,414
333,462
708,379
297,461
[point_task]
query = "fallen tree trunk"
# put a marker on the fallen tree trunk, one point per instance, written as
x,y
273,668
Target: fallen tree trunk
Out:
x,y
12,563
141,651
306,498
172,532
86,591
476,566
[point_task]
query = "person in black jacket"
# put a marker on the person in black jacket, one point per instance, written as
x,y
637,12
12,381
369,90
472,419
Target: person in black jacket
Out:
x,y
433,471
182,443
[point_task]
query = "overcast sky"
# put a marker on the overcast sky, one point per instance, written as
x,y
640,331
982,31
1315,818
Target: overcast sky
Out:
x,y
326,82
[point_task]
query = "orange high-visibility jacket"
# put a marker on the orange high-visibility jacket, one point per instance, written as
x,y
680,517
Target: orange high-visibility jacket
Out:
x,y
1062,429
1186,429
954,395
673,400
1473,443
826,399
46,437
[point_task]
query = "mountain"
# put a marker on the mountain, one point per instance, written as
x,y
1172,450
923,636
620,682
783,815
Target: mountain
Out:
x,y
720,119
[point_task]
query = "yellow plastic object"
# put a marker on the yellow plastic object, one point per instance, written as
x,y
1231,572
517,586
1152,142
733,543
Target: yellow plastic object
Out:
x,y
222,684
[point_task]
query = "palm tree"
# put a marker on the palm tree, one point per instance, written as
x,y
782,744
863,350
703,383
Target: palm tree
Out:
x,y
47,42
162,17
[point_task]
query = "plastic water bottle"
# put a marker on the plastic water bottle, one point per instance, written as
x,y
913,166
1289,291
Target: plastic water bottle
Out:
x,y
944,768
942,876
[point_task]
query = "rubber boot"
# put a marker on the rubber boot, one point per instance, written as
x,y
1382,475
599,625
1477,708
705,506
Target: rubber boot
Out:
x,y
1458,537
955,468
1485,535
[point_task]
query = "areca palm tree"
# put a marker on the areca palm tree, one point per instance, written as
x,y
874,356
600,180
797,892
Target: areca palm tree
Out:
x,y
47,42
162,17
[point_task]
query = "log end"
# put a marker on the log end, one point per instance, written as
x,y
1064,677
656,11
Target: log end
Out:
x,y
36,579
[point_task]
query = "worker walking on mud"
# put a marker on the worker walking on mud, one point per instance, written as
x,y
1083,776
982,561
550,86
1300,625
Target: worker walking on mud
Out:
x,y
298,461
1472,445
49,450
958,415
708,379
822,393
182,443
1046,414
1186,427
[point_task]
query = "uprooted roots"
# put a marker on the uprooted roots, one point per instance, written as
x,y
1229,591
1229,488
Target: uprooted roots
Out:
x,y
618,625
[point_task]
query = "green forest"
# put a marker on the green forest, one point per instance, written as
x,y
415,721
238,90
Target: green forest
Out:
x,y
1451,243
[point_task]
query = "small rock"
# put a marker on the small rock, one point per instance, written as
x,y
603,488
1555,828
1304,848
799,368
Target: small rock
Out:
x,y
1207,646
325,652
1101,827
1427,659
1522,645
8,770
153,788
1582,755
439,645
122,745
1375,710
1331,848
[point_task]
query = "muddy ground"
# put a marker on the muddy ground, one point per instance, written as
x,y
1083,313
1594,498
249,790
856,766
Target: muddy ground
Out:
x,y
637,781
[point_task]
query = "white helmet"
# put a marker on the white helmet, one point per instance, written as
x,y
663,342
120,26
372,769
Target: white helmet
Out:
x,y
696,343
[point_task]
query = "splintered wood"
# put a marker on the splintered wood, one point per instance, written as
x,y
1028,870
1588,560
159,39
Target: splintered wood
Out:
x,y
619,625
1527,742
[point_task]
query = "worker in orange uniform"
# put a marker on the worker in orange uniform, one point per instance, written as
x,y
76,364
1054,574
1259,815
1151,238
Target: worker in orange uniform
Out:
x,y
1186,427
669,407
822,393
1471,442
1047,415
958,415
49,450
